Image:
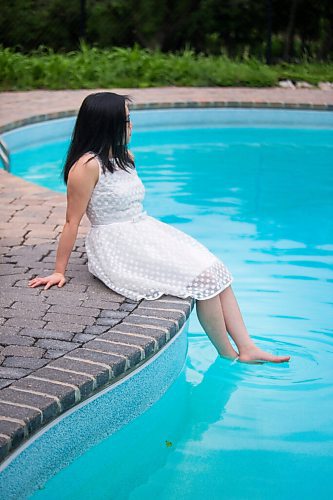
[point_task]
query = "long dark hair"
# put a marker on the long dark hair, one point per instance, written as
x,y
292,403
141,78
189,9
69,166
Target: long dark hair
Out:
x,y
100,125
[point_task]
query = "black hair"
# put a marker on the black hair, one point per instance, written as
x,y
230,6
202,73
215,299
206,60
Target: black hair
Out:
x,y
100,126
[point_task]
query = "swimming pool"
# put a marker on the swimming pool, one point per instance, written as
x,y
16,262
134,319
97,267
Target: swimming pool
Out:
x,y
256,187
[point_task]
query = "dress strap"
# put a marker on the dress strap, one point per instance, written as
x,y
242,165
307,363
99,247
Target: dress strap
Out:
x,y
99,162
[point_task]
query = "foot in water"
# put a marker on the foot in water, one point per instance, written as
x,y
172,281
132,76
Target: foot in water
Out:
x,y
254,355
231,354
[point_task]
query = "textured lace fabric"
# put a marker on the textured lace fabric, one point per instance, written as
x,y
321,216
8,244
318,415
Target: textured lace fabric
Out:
x,y
140,256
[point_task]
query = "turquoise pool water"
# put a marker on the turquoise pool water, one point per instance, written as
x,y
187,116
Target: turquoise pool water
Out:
x,y
257,191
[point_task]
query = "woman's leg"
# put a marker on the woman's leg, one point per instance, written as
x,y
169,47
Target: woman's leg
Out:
x,y
236,328
210,315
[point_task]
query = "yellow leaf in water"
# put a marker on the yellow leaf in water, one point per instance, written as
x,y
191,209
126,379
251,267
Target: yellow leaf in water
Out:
x,y
168,443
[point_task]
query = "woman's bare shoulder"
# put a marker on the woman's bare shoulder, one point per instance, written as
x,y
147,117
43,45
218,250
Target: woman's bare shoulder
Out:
x,y
86,165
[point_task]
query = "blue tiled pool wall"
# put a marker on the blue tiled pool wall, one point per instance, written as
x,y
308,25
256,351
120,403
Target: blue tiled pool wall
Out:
x,y
177,118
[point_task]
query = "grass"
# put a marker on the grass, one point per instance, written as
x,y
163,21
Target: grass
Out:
x,y
91,67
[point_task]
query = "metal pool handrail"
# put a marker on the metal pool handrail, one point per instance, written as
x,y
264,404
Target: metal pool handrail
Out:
x,y
4,155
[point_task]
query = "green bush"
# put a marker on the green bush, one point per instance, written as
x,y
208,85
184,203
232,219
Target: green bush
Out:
x,y
91,67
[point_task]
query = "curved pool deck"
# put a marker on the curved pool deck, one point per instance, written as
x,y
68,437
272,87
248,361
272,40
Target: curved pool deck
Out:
x,y
58,348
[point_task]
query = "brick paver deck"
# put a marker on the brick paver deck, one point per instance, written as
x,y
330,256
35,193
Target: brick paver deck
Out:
x,y
60,346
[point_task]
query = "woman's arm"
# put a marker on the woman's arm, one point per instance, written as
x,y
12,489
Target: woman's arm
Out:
x,y
82,179
81,182
66,243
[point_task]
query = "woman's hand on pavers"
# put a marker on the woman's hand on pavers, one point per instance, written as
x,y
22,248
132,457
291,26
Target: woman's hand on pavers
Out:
x,y
53,279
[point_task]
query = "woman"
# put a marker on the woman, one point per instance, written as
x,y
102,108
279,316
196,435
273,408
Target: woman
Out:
x,y
133,253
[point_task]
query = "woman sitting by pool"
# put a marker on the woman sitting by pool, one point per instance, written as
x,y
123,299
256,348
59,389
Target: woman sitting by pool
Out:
x,y
133,253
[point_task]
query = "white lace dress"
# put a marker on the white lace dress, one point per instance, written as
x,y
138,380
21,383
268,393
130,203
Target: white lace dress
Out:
x,y
139,256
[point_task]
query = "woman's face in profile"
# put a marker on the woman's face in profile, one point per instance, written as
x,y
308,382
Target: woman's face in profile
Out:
x,y
128,124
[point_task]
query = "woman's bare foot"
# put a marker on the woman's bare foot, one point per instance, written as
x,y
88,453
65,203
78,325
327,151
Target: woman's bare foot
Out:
x,y
252,354
230,354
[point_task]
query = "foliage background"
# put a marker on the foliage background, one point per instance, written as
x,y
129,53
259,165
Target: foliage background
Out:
x,y
60,44
300,28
